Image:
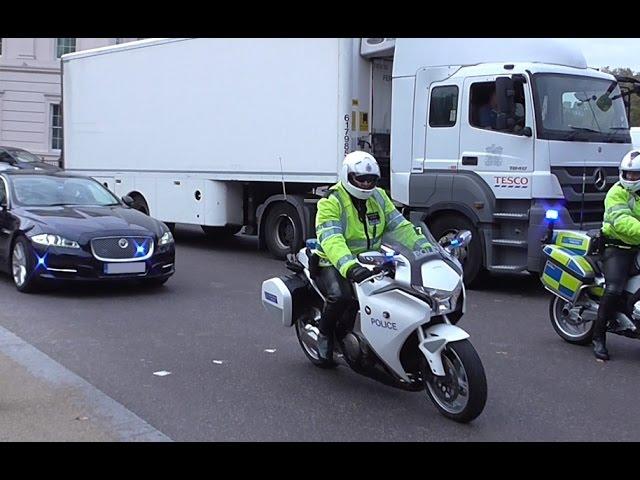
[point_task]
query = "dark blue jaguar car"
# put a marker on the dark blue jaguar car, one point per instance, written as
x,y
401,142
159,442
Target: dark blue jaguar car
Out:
x,y
57,226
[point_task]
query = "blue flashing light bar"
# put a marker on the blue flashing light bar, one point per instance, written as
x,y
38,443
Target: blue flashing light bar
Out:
x,y
551,214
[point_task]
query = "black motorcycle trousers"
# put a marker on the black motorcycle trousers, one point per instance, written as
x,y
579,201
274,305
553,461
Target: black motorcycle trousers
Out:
x,y
338,294
617,265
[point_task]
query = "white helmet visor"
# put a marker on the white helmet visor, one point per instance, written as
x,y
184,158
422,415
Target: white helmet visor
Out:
x,y
364,181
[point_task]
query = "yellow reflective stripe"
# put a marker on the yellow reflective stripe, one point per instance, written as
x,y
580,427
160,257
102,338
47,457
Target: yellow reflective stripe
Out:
x,y
344,260
329,224
422,242
550,282
328,233
394,219
570,282
378,197
327,237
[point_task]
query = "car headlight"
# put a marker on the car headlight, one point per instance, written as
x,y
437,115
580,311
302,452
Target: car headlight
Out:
x,y
54,241
166,239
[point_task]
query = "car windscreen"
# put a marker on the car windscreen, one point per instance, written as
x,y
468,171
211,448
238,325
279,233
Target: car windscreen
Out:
x,y
43,191
24,156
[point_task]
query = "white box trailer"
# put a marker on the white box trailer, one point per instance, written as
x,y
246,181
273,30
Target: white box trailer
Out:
x,y
213,132
205,131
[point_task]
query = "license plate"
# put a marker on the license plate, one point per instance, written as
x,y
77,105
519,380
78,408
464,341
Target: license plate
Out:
x,y
119,268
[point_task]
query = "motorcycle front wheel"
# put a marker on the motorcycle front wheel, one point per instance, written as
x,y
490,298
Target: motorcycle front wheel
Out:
x,y
578,333
461,393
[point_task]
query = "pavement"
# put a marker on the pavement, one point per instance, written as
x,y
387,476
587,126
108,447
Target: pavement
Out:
x,y
199,360
41,401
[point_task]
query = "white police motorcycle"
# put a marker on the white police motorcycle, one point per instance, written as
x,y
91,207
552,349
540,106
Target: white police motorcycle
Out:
x,y
401,329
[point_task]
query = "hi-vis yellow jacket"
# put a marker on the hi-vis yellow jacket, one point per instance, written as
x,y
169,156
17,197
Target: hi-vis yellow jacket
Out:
x,y
341,235
622,215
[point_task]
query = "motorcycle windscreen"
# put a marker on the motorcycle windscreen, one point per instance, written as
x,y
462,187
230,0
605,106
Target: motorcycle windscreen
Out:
x,y
439,275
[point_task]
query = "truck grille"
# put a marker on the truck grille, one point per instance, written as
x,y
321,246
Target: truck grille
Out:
x,y
572,183
120,249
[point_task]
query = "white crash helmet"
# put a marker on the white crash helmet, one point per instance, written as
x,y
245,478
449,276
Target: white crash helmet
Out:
x,y
630,163
360,174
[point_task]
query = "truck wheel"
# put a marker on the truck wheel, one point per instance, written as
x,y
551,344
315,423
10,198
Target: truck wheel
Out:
x,y
446,226
217,232
283,230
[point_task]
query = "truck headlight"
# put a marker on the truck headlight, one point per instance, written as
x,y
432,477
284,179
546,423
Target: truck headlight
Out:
x,y
54,241
166,239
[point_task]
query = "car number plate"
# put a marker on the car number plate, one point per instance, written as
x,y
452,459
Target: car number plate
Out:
x,y
119,268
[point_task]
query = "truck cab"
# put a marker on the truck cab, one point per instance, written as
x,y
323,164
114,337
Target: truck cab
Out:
x,y
488,134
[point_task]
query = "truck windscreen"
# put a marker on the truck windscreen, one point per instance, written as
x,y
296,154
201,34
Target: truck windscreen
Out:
x,y
579,108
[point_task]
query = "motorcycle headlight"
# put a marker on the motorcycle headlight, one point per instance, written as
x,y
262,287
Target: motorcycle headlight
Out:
x,y
166,239
434,292
54,241
444,301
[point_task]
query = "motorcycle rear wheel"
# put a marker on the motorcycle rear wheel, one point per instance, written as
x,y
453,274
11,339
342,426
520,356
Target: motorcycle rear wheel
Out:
x,y
307,338
577,334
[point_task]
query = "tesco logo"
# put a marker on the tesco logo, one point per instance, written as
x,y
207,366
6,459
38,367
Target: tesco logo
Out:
x,y
511,182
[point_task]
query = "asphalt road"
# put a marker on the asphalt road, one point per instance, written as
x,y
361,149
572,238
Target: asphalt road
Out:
x,y
540,388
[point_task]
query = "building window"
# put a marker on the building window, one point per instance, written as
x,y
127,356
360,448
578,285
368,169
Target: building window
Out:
x,y
444,106
56,127
64,46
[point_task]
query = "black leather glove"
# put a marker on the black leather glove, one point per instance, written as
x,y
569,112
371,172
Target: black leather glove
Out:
x,y
358,273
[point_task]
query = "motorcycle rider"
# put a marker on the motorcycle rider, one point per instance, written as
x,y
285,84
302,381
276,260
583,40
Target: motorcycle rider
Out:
x,y
352,219
621,232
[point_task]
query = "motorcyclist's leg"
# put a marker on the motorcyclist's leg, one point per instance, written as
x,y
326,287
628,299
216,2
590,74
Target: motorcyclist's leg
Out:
x,y
338,294
616,265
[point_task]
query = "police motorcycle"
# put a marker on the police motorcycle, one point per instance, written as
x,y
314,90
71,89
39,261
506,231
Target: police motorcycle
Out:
x,y
573,274
401,328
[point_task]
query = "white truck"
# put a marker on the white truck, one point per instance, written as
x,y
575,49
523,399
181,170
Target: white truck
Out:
x,y
635,137
479,134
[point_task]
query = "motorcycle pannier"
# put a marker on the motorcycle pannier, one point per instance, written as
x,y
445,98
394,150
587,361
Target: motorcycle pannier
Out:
x,y
283,296
566,271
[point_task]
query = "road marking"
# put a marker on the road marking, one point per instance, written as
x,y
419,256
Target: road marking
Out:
x,y
162,373
126,424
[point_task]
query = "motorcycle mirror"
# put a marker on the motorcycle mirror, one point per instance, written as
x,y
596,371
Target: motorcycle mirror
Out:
x,y
463,238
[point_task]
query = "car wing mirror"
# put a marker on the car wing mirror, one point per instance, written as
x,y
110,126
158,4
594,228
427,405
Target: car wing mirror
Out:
x,y
127,200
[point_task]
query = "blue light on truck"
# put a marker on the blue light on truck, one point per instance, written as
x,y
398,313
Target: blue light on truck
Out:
x,y
551,214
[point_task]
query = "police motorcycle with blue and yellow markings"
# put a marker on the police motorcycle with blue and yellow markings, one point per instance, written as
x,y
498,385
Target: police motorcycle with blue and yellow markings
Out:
x,y
401,327
573,274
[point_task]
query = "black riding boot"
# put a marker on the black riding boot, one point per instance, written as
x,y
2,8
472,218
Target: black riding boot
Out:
x,y
338,297
606,311
325,347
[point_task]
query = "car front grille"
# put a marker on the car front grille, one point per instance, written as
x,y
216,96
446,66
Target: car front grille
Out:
x,y
119,249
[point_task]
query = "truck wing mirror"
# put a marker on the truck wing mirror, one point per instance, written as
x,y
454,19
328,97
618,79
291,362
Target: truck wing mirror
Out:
x,y
604,102
526,132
